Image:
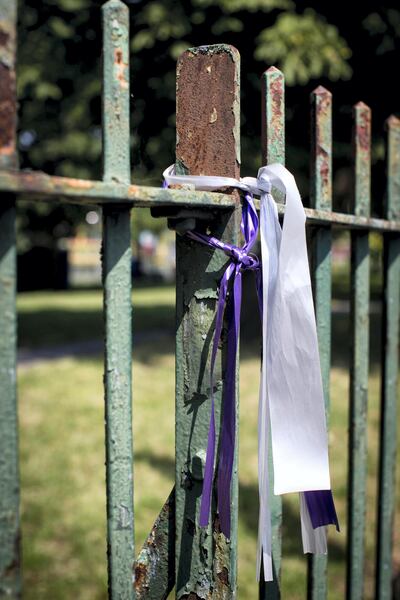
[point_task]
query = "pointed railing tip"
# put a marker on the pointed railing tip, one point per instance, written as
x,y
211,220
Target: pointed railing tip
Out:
x,y
321,91
361,106
392,122
273,71
114,4
211,49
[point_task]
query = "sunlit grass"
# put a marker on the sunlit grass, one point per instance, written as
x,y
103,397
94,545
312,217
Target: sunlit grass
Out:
x,y
62,471
50,318
62,467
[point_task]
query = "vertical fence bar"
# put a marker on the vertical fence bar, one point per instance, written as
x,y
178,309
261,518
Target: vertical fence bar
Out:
x,y
273,151
116,255
321,198
390,341
208,142
360,356
10,578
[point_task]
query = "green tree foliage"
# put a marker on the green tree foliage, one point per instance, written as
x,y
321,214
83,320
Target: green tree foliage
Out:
x,y
59,79
305,47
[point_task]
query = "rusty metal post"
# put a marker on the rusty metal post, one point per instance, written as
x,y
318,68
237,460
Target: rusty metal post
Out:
x,y
10,581
207,143
360,276
390,373
321,199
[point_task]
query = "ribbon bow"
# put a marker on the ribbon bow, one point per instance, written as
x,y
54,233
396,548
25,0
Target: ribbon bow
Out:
x,y
291,403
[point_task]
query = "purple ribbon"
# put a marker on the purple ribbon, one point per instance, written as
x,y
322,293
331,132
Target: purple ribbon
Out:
x,y
320,504
241,260
321,508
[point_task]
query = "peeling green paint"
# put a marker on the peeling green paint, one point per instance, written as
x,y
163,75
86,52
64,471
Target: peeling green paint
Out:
x,y
10,573
116,261
390,369
360,267
10,583
155,565
321,198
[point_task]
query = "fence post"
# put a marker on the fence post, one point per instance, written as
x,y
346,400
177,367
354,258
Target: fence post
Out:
x,y
390,368
273,151
321,198
207,143
116,254
10,580
360,356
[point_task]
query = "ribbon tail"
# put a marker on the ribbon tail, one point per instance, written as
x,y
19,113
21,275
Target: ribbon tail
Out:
x,y
314,540
228,432
264,546
321,508
205,504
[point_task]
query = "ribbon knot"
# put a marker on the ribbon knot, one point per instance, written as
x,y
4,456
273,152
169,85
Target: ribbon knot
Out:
x,y
247,261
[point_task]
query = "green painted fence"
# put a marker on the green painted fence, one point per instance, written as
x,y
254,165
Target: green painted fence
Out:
x,y
177,555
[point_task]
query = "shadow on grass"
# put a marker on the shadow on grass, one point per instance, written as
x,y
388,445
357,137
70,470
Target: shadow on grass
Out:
x,y
291,529
52,326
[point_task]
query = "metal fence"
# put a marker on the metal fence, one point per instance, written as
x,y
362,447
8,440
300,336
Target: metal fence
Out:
x,y
198,563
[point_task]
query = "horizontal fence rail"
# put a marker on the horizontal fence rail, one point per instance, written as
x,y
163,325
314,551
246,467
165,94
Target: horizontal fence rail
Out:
x,y
42,187
177,553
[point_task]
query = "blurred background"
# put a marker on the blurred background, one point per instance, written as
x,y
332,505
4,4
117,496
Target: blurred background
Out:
x,y
355,54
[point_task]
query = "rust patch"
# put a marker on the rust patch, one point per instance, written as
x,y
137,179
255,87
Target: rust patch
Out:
x,y
363,136
155,566
272,115
141,580
7,111
4,37
120,67
205,115
321,148
276,95
223,576
78,184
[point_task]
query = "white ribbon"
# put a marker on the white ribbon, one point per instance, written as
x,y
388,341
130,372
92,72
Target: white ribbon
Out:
x,y
291,401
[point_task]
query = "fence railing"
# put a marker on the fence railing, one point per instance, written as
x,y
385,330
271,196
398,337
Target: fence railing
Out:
x,y
177,553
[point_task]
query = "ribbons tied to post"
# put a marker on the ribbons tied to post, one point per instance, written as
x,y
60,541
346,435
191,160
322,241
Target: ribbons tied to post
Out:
x,y
291,401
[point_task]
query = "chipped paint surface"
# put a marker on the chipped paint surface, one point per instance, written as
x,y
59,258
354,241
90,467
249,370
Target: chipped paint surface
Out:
x,y
390,373
362,158
273,116
321,199
121,68
154,569
41,187
205,561
360,270
8,117
321,149
115,97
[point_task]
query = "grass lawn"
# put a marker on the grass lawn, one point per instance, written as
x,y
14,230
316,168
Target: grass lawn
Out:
x,y
62,453
50,318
